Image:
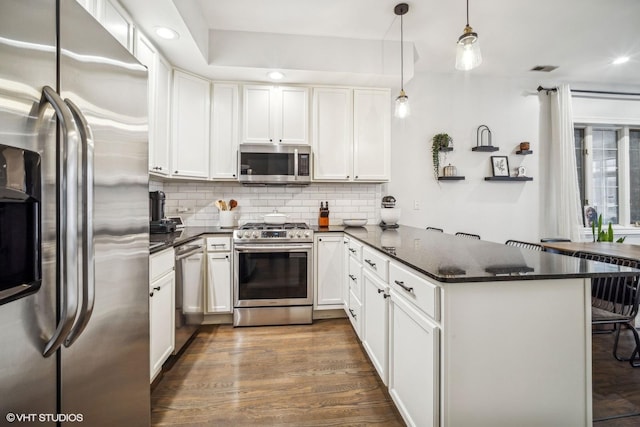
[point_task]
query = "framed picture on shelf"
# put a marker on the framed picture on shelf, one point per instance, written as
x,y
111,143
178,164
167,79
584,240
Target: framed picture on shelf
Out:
x,y
500,165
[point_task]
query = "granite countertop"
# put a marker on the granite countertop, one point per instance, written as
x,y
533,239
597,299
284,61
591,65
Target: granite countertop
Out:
x,y
162,241
448,258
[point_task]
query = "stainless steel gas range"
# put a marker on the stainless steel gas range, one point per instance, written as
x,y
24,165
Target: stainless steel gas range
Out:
x,y
273,276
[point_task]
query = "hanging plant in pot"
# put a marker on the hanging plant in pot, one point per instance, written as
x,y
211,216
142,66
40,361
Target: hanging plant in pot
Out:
x,y
439,141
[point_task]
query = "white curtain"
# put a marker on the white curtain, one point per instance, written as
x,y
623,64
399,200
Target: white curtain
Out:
x,y
563,209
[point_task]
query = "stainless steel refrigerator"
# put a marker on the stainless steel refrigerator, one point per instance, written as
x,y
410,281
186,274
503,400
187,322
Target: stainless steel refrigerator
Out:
x,y
74,310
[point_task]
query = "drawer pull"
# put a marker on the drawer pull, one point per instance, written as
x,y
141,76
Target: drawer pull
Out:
x,y
352,277
372,264
352,313
402,285
384,294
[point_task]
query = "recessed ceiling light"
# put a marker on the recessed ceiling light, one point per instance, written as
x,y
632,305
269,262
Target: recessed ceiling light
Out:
x,y
275,75
167,33
620,60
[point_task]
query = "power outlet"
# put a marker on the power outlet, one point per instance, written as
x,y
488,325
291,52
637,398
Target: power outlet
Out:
x,y
416,205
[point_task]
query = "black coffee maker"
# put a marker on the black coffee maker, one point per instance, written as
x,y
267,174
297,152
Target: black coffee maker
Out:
x,y
157,222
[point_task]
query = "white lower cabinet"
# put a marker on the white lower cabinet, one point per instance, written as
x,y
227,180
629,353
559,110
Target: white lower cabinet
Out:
x,y
161,309
329,270
345,278
219,283
413,363
219,295
375,324
354,311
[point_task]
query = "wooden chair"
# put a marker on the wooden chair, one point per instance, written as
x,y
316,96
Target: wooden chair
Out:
x,y
526,245
468,235
439,230
614,301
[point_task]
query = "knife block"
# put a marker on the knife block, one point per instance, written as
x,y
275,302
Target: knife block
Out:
x,y
323,221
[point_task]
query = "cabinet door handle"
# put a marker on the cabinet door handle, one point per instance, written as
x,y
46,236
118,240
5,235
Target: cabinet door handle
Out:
x,y
352,313
372,264
156,288
353,251
403,286
352,277
386,296
347,176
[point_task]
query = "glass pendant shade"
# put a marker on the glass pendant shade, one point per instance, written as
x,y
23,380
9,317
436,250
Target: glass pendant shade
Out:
x,y
468,54
402,105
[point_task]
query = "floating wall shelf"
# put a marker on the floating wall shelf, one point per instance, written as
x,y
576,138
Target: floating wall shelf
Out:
x,y
446,149
485,148
508,178
524,152
450,178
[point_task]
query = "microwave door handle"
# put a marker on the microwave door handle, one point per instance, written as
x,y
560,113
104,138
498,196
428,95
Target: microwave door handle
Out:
x,y
68,227
88,272
295,164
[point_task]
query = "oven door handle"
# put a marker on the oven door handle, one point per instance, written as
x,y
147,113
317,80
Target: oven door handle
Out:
x,y
272,248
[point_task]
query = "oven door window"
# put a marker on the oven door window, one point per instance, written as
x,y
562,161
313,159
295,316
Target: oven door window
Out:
x,y
267,164
272,275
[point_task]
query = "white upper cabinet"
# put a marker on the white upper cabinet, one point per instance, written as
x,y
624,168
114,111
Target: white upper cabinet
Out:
x,y
224,131
158,96
190,126
115,20
275,115
332,134
159,146
371,134
351,134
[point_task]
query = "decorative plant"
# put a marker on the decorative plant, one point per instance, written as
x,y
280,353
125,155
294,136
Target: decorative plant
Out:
x,y
601,235
439,141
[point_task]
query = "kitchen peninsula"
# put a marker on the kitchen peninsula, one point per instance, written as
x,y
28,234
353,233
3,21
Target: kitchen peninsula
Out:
x,y
468,332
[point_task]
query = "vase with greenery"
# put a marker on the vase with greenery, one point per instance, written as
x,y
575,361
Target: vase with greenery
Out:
x,y
602,235
439,141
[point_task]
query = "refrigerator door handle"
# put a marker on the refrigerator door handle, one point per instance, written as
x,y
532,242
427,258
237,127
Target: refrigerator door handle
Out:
x,y
67,203
88,274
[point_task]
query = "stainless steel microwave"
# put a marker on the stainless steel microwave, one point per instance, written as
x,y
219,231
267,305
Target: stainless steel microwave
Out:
x,y
274,164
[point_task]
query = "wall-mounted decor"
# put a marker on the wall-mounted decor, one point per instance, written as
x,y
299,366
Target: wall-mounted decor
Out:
x,y
500,165
441,142
480,145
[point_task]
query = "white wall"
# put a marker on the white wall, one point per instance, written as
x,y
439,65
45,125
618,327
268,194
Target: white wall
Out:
x,y
457,104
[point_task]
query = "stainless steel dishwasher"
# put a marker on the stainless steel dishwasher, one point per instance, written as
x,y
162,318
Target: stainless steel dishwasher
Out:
x,y
189,291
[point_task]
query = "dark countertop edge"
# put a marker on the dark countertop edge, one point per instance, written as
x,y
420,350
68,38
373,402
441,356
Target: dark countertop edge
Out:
x,y
189,234
443,279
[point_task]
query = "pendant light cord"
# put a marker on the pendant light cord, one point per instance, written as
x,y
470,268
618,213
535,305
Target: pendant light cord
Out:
x,y
402,53
467,13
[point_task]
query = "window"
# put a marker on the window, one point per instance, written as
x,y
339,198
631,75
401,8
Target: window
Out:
x,y
608,165
634,174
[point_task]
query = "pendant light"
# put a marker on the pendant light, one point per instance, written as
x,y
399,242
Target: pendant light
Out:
x,y
402,101
468,54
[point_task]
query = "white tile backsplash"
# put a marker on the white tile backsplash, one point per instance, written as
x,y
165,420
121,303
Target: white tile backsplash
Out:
x,y
195,202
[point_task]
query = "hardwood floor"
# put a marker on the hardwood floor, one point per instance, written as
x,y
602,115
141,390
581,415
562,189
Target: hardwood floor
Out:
x,y
308,375
318,375
616,385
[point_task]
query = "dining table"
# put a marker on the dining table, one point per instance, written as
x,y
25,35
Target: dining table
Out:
x,y
624,250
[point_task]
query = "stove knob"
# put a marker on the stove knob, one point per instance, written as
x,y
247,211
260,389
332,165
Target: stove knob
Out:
x,y
307,234
299,234
290,235
246,235
255,234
